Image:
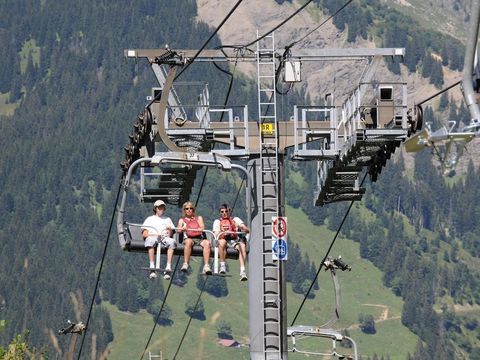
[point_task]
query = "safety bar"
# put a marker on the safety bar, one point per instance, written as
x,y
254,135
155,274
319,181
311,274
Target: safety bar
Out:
x,y
135,231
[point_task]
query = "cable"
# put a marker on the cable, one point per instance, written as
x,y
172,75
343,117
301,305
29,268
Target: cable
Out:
x,y
222,70
178,258
238,193
323,23
326,255
199,51
221,119
210,38
279,25
190,319
99,271
161,308
439,92
201,186
196,203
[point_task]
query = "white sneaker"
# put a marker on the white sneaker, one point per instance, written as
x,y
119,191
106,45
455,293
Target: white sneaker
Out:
x,y
184,267
223,269
243,276
166,275
152,275
207,270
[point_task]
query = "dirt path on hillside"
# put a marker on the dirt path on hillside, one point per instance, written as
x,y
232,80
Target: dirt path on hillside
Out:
x,y
382,317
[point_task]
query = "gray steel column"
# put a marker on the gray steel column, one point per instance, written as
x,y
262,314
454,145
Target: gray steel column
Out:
x,y
283,264
467,86
255,266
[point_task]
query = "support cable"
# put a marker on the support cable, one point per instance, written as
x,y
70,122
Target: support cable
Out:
x,y
204,283
171,281
279,25
221,119
157,97
99,271
326,255
190,319
178,258
210,38
316,28
161,308
440,92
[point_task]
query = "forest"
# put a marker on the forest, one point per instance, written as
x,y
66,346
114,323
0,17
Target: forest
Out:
x,y
75,99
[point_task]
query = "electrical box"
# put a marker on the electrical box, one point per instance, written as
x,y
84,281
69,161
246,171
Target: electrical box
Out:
x,y
292,71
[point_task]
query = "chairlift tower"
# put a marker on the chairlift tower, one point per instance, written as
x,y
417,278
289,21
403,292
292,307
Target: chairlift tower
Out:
x,y
361,133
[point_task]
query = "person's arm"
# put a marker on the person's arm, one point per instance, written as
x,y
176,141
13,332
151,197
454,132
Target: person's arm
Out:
x,y
170,227
182,226
144,228
241,225
216,227
244,228
201,223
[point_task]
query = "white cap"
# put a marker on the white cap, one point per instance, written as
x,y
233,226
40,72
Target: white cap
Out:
x,y
159,203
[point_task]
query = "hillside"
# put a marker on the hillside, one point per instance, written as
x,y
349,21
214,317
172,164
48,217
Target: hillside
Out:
x,y
340,77
362,293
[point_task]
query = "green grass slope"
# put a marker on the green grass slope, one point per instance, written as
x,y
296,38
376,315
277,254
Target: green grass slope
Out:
x,y
362,293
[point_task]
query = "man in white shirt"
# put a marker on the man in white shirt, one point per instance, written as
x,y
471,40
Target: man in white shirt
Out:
x,y
233,230
158,228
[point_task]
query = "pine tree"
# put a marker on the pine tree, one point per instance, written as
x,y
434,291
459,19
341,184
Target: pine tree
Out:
x,y
224,330
443,102
194,309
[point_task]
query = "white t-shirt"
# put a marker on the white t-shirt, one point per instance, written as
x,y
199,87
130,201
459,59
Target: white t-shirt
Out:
x,y
158,224
216,224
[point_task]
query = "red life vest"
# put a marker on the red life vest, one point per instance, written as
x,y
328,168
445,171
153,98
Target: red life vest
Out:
x,y
228,225
192,223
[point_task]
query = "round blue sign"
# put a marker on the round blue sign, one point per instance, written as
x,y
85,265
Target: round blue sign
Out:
x,y
280,249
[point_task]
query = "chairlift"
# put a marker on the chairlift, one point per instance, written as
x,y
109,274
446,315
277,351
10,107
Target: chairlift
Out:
x,y
130,234
324,331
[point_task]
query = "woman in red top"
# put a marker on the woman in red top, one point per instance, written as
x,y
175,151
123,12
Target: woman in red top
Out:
x,y
192,226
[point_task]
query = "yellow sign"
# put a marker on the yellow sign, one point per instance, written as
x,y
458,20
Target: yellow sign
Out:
x,y
268,129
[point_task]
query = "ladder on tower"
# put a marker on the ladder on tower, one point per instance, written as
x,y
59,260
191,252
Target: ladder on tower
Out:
x,y
267,115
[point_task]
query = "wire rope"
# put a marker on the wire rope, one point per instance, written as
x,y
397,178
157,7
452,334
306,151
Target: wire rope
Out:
x,y
440,92
210,38
199,51
279,25
178,258
190,318
326,255
323,23
161,308
99,271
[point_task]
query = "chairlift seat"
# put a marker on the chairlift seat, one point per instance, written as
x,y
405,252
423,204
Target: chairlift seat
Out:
x,y
135,243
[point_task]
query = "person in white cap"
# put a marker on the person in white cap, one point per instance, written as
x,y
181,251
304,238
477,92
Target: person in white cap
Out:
x,y
158,228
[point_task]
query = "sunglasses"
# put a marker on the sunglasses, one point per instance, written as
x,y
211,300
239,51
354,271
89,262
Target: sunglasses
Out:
x,y
189,208
224,211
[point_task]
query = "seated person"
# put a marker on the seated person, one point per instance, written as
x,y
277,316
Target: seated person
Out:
x,y
226,228
158,228
192,226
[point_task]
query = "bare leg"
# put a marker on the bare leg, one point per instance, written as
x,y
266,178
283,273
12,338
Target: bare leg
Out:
x,y
151,254
242,253
206,251
169,256
187,250
222,249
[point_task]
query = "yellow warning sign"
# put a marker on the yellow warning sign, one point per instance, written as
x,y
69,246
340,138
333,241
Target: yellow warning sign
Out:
x,y
268,129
